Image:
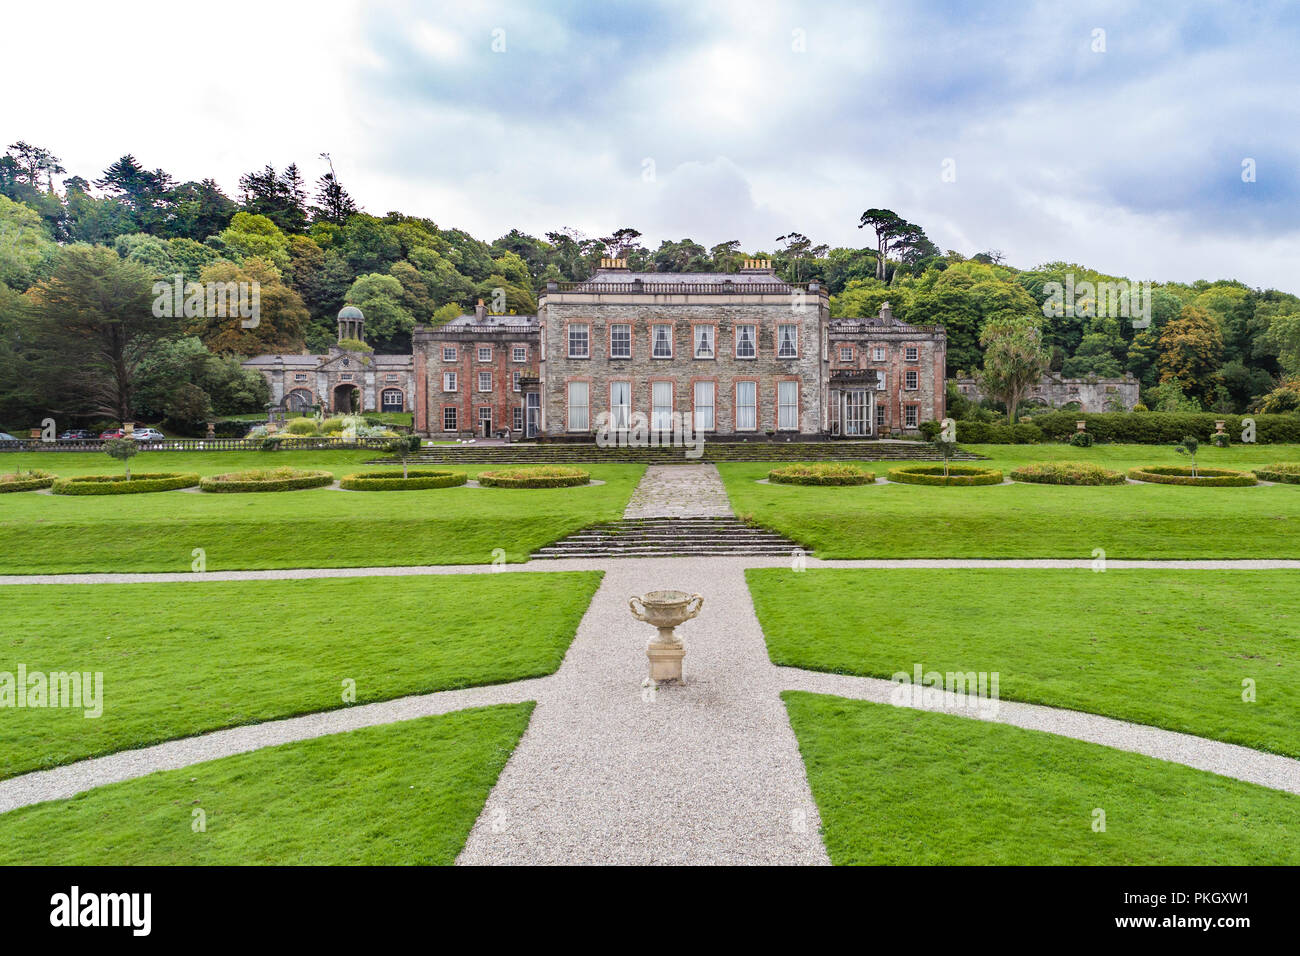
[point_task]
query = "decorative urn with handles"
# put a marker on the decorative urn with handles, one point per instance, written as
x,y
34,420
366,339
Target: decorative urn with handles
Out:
x,y
665,610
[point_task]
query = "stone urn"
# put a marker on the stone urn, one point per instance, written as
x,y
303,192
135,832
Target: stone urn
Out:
x,y
665,610
1219,426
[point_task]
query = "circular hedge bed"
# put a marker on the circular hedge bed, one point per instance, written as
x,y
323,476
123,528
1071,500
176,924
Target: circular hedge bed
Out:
x,y
121,485
1287,471
1067,473
536,476
266,479
25,481
823,473
1182,475
391,481
957,475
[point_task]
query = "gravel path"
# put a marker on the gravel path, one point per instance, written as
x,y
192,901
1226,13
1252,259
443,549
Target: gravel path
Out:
x,y
61,782
1228,760
679,491
600,564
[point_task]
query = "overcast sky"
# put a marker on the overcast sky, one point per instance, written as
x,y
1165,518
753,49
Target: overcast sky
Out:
x,y
1109,134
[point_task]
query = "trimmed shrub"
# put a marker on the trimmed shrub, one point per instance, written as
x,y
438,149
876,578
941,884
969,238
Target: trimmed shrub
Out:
x,y
1163,428
957,475
985,433
537,476
266,479
25,481
1067,473
1287,471
120,485
300,426
1179,475
392,481
1081,440
824,473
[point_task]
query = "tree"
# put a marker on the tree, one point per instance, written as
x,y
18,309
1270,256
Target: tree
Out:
x,y
1014,360
1188,446
144,193
945,448
123,450
403,447
334,203
894,233
280,197
1191,353
621,241
96,325
281,321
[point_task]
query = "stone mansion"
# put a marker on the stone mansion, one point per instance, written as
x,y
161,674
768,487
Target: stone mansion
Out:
x,y
736,355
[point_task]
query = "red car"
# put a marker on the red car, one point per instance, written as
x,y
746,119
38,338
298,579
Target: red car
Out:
x,y
112,433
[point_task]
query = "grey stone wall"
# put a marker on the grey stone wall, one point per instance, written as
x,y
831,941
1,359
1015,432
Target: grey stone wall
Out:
x,y
1093,395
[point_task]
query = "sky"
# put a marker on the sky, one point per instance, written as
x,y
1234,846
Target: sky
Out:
x,y
1156,140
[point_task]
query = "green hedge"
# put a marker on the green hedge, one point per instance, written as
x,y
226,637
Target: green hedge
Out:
x,y
389,481
1067,473
118,485
983,433
1176,475
540,476
279,479
822,473
26,481
1287,471
957,475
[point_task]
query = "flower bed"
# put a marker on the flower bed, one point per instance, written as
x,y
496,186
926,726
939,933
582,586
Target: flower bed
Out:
x,y
25,481
537,476
1182,475
1067,473
957,475
1287,471
266,479
823,473
391,481
120,485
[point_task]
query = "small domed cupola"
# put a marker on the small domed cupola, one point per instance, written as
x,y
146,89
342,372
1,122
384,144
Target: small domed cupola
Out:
x,y
352,324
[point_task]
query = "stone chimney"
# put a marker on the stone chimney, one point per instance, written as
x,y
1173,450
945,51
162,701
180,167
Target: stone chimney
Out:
x,y
886,313
617,264
757,265
480,312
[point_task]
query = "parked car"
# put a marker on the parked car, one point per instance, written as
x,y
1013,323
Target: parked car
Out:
x,y
77,434
112,433
5,436
148,434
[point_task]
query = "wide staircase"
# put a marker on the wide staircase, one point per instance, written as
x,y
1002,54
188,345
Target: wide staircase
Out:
x,y
580,453
670,538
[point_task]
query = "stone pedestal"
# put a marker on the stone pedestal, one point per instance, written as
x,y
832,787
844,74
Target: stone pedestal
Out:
x,y
665,661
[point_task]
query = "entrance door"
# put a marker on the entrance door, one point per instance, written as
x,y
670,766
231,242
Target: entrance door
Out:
x,y
855,412
485,422
343,399
533,414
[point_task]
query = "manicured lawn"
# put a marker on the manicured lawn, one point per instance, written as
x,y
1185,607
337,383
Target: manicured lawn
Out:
x,y
1168,648
898,786
1036,521
182,659
405,793
320,527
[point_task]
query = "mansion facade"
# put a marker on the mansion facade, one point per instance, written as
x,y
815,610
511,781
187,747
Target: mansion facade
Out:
x,y
734,355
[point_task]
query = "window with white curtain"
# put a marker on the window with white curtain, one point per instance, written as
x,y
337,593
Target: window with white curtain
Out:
x,y
787,405
746,406
579,407
745,341
661,406
787,338
704,398
620,404
704,337
663,341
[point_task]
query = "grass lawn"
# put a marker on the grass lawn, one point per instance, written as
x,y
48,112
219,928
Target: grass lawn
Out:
x,y
405,793
320,527
1168,648
182,659
898,786
1036,521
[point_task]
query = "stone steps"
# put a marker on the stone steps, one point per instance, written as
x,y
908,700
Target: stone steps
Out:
x,y
669,537
585,453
